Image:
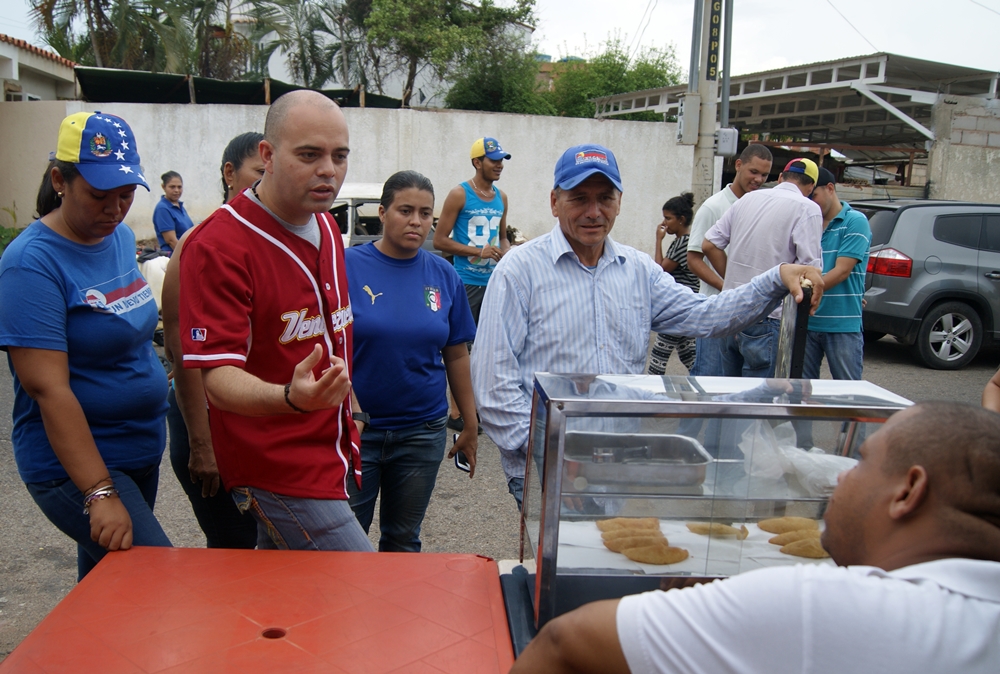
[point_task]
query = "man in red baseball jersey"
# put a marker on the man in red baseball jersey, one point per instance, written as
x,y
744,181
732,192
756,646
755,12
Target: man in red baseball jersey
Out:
x,y
265,312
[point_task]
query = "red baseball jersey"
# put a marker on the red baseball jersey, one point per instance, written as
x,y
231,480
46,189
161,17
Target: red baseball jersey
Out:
x,y
258,297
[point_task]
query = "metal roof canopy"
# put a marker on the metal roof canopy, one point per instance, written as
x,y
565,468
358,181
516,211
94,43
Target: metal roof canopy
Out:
x,y
881,99
107,85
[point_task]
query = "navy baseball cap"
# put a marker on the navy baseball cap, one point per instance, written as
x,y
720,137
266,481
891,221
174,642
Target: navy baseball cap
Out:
x,y
582,161
102,147
826,177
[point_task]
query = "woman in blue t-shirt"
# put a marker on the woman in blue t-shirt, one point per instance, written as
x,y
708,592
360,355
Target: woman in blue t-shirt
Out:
x,y
77,321
411,324
170,220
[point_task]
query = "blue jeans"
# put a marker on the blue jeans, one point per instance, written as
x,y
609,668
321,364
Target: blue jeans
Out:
x,y
708,357
403,464
224,525
290,523
515,485
753,351
845,352
62,503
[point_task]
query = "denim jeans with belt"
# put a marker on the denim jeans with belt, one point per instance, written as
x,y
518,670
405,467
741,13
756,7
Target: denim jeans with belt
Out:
x,y
292,523
403,464
62,503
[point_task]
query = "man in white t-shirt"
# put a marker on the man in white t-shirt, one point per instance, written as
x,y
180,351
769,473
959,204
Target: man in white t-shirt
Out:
x,y
752,169
915,528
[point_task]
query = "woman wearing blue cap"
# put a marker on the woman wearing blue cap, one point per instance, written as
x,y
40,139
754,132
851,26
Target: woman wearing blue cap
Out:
x,y
77,321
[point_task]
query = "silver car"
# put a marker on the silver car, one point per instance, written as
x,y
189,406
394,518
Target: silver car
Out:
x,y
933,277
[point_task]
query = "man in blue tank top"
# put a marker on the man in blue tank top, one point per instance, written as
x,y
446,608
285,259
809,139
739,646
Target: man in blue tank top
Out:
x,y
473,228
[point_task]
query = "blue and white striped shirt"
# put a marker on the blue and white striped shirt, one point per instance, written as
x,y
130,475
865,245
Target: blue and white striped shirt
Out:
x,y
546,312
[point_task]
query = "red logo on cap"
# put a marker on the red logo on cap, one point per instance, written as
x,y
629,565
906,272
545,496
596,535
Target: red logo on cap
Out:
x,y
591,155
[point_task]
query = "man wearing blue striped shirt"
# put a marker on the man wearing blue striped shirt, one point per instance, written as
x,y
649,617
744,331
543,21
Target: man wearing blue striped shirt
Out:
x,y
835,329
575,301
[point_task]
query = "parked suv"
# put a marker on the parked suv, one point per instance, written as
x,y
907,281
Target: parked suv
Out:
x,y
933,277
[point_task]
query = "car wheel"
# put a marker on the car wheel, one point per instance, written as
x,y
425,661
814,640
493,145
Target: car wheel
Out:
x,y
872,336
950,336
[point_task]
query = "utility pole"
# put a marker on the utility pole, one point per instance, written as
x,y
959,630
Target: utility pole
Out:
x,y
703,173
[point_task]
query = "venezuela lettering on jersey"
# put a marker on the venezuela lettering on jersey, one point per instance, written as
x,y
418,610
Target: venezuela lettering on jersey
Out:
x,y
300,326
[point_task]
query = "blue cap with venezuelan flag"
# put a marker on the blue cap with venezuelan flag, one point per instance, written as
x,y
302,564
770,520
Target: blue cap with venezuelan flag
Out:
x,y
102,147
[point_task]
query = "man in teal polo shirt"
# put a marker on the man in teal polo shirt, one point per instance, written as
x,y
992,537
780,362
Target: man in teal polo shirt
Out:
x,y
835,329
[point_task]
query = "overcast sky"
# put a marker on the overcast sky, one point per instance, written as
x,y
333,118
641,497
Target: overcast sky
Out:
x,y
767,33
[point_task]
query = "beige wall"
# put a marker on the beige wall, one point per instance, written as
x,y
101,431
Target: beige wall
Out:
x,y
964,161
189,139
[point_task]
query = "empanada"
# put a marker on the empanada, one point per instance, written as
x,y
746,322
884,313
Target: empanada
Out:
x,y
628,523
717,529
620,543
782,525
792,536
806,547
656,554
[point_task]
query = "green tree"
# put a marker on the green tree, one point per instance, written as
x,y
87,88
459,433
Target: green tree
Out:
x,y
117,31
499,76
609,72
436,33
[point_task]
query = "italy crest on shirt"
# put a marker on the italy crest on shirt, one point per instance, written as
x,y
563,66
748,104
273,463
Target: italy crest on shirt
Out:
x,y
432,296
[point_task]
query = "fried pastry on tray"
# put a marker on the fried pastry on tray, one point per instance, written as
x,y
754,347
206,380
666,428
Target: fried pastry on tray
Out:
x,y
628,523
807,547
628,533
621,543
717,529
782,525
792,536
656,554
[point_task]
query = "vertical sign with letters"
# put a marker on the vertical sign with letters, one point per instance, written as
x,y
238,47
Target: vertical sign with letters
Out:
x,y
714,39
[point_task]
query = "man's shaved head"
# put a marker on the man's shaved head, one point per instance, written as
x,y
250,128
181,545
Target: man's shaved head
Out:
x,y
277,114
959,447
926,487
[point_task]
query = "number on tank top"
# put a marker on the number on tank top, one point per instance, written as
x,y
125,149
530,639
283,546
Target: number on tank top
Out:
x,y
482,231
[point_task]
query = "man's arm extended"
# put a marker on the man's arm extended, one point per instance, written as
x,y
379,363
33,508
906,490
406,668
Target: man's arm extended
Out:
x,y
584,641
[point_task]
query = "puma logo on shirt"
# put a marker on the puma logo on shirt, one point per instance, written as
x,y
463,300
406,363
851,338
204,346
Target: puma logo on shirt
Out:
x,y
371,294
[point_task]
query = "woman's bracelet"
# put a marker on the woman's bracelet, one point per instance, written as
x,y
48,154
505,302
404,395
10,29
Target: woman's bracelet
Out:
x,y
98,495
90,490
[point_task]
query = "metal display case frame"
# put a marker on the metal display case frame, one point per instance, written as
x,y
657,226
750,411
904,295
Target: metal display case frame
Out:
x,y
682,397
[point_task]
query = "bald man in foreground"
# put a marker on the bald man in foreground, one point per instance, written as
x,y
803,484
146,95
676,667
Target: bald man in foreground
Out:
x,y
915,530
266,315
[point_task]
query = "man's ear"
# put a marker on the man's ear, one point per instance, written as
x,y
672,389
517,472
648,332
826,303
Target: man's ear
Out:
x,y
553,196
910,493
267,155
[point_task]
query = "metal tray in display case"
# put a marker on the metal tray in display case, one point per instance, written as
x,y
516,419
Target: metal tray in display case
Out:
x,y
634,459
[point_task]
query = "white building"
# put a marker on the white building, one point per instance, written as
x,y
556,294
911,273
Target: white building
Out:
x,y
32,74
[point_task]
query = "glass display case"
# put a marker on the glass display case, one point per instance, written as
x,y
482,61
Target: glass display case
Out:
x,y
639,482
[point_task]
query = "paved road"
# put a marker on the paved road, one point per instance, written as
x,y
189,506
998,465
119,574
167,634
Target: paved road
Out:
x,y
38,563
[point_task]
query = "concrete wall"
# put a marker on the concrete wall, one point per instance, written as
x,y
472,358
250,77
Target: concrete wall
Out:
x,y
964,160
189,139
